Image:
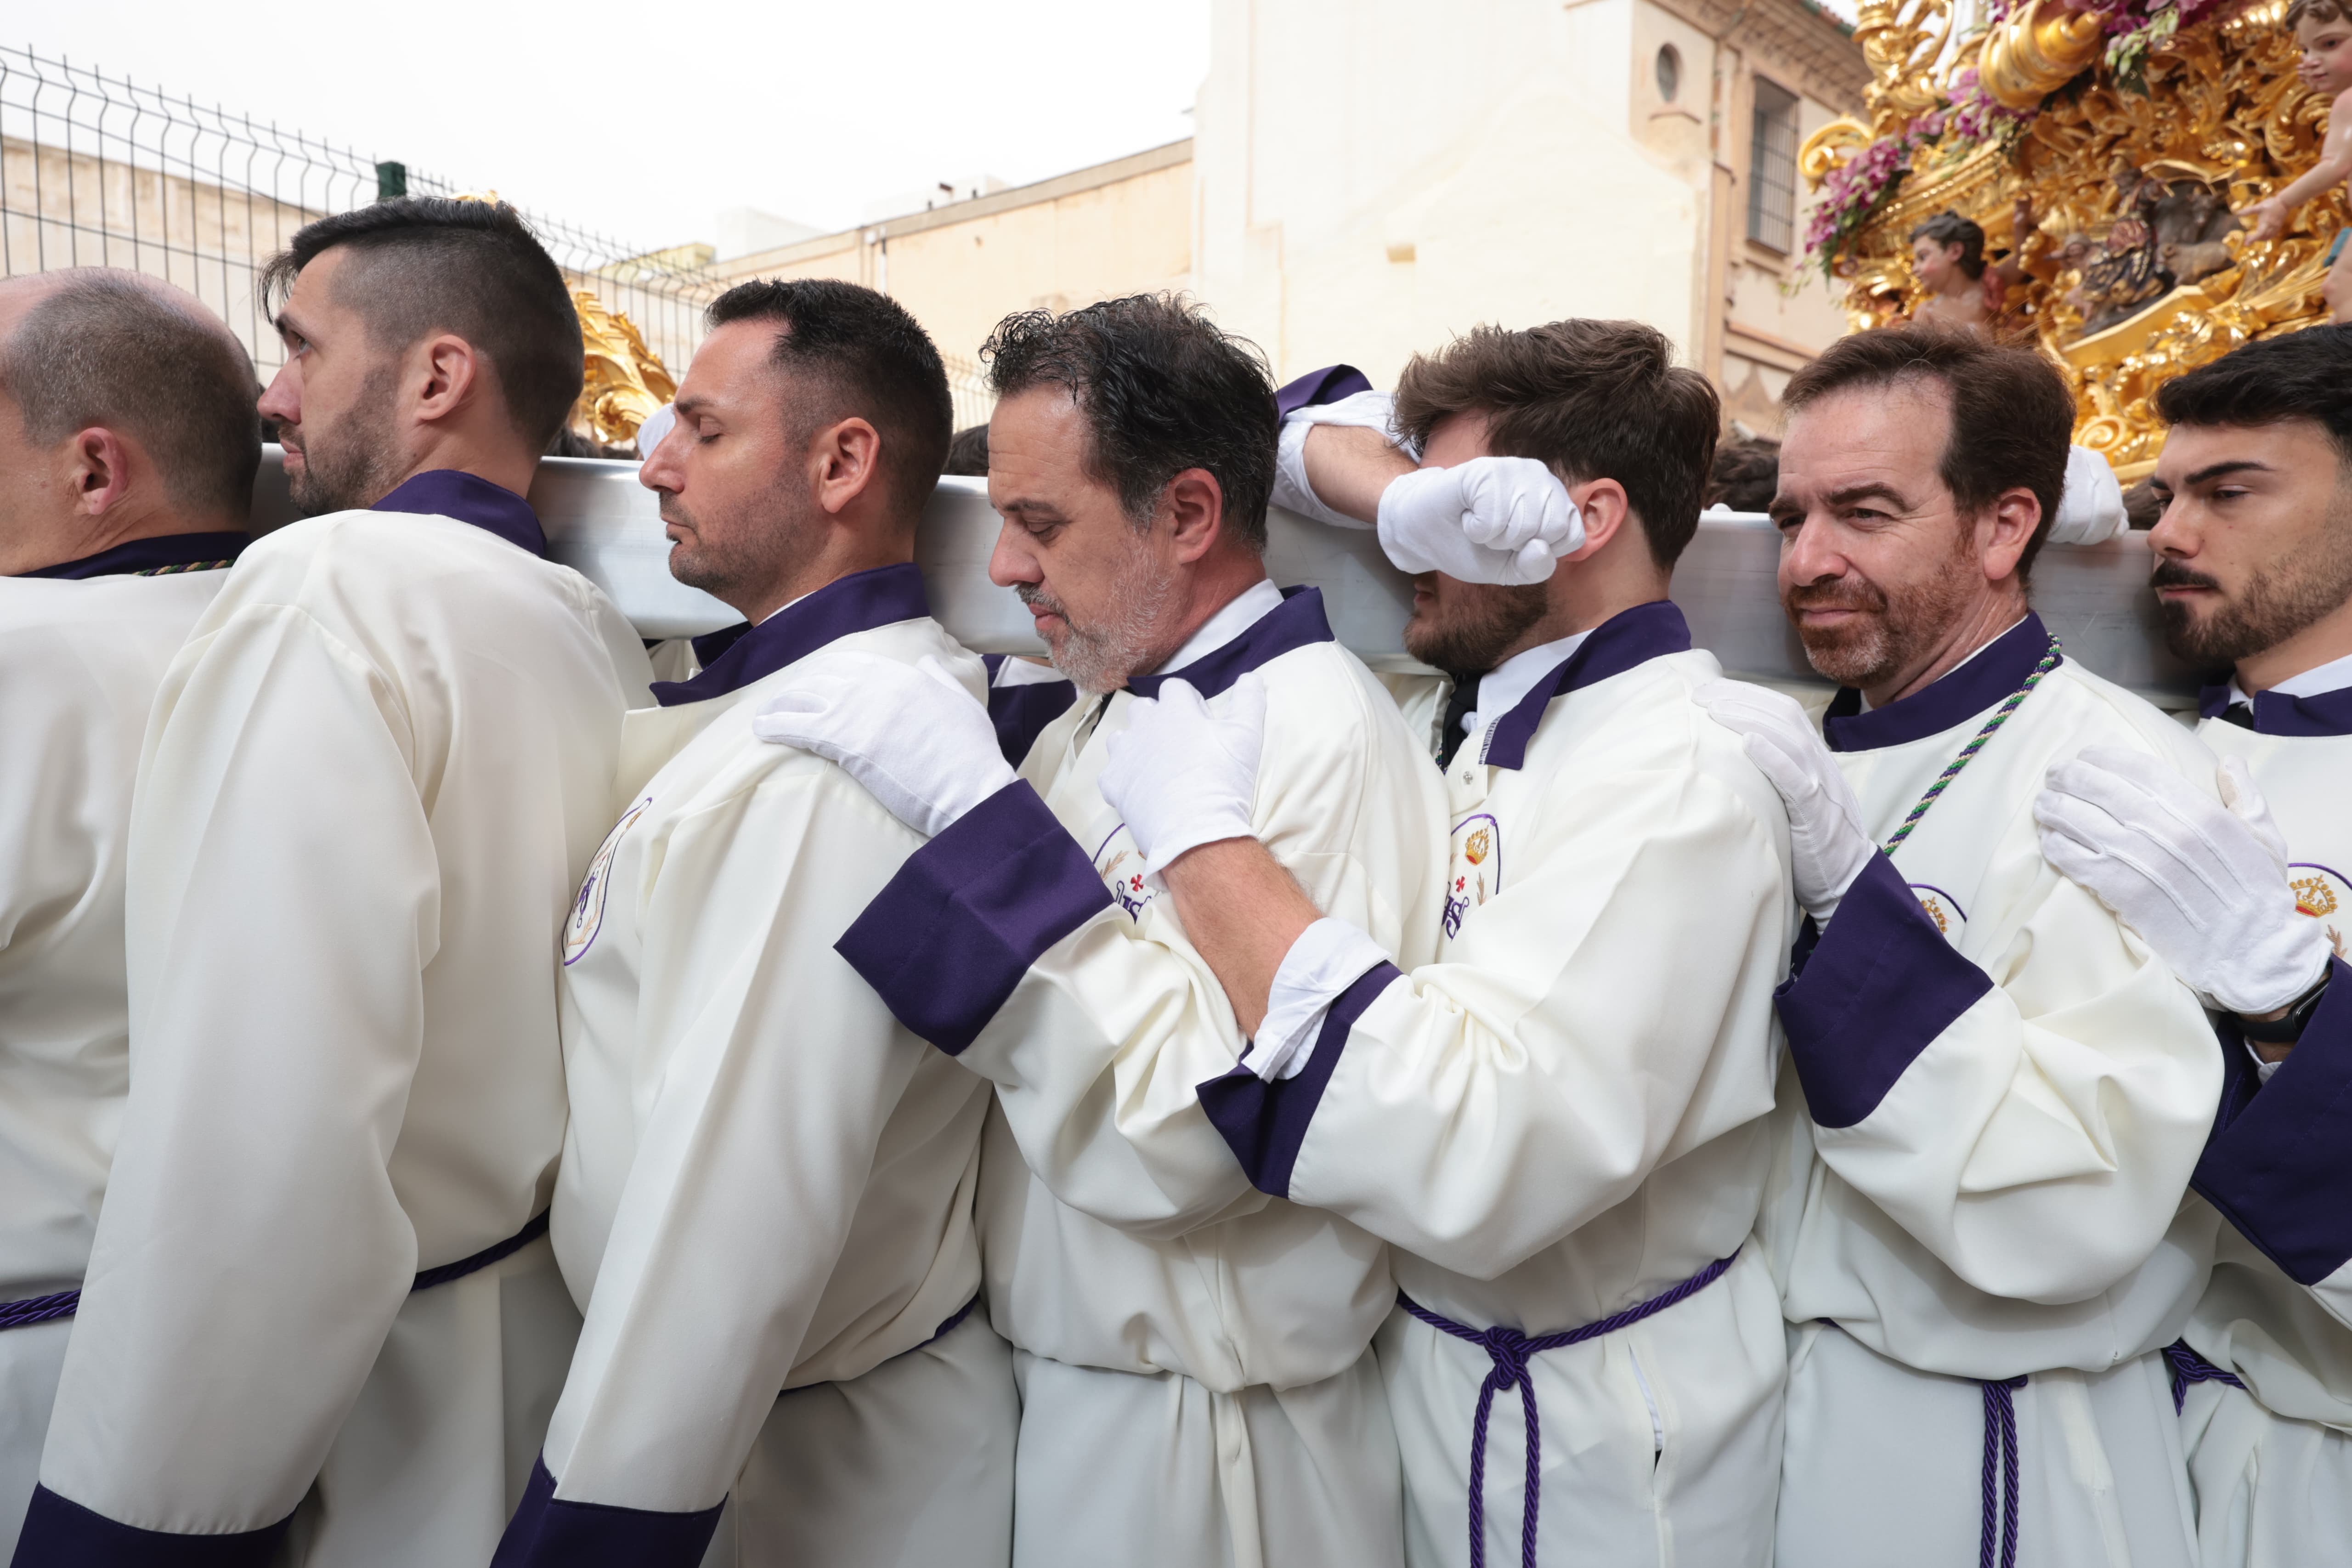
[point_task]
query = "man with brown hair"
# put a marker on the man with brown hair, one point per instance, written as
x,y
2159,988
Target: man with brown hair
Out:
x,y
1558,1124
1999,1091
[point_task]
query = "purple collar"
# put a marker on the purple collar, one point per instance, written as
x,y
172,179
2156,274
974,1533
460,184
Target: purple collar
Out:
x,y
2276,713
469,498
857,602
1951,699
1317,387
1628,639
1295,623
164,553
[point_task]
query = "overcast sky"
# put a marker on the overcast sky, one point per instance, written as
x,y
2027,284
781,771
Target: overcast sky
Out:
x,y
644,121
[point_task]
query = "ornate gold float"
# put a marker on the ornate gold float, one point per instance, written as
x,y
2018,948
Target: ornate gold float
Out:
x,y
2133,133
627,382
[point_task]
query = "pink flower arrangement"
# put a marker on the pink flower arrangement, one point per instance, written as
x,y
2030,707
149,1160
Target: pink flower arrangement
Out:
x,y
1853,192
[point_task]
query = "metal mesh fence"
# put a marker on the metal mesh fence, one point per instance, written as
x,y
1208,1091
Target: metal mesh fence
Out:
x,y
97,171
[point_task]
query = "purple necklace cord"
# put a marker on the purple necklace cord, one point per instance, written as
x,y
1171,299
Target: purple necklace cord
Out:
x,y
64,1303
1510,1351
2187,1367
2000,1456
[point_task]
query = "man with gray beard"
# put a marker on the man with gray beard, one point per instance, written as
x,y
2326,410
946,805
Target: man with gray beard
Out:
x,y
1194,1357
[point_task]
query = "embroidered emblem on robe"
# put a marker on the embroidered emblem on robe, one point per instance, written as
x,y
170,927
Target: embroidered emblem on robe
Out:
x,y
1475,870
2319,892
1943,909
588,909
1120,865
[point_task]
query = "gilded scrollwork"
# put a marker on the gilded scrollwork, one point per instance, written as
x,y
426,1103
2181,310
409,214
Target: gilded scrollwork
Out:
x,y
2134,268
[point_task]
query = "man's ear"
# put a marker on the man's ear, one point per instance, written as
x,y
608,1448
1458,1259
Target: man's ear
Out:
x,y
446,372
98,470
845,460
2005,530
1603,502
1195,502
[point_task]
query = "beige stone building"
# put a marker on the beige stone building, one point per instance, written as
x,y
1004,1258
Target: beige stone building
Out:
x,y
1369,177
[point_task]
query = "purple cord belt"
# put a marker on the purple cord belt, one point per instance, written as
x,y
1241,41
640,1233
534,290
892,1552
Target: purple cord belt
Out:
x,y
2189,1367
64,1303
1999,1471
1510,1351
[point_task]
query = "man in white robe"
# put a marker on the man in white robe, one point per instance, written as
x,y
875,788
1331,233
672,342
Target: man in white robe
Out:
x,y
765,1203
1194,1358
128,443
320,1317
1558,1120
2253,577
1999,1091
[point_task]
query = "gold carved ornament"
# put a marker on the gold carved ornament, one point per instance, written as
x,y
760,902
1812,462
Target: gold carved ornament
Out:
x,y
2134,270
625,382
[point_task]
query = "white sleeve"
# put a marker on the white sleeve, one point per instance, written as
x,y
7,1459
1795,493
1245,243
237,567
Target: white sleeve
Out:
x,y
1366,410
779,1071
284,900
2032,1126
1593,1022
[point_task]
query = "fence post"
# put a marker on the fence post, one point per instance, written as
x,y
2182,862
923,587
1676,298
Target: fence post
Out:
x,y
391,180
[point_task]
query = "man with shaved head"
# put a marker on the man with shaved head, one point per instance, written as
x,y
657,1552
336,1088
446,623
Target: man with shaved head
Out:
x,y
128,445
320,1322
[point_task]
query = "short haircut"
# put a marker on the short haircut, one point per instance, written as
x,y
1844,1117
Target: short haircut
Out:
x,y
2012,414
1949,228
1746,474
1594,400
2300,11
107,348
2303,375
420,265
1163,389
873,361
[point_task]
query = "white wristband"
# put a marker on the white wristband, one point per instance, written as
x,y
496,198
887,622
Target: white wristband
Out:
x,y
1328,957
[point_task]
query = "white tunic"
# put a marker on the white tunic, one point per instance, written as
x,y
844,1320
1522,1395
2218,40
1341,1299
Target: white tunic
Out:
x,y
370,785
1982,1155
1560,1119
1026,940
2273,1460
767,1185
79,663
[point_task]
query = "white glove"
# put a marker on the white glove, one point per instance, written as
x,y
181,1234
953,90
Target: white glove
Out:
x,y
909,733
1490,519
1182,775
1827,846
2090,508
2203,883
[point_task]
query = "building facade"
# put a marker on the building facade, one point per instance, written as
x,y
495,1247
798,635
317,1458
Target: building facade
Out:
x,y
1367,182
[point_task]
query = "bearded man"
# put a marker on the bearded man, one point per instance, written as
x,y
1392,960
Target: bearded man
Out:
x,y
1194,1357
1999,1091
1559,1122
322,1317
2248,901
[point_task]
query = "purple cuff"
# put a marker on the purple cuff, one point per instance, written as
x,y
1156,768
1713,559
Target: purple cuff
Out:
x,y
1264,1123
58,1531
2278,1169
548,1532
945,943
1878,987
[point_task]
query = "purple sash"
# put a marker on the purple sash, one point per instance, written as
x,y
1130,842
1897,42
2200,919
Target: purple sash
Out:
x,y
1510,1351
64,1303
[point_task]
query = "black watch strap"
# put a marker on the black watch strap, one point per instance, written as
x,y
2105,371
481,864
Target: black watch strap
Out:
x,y
2288,1027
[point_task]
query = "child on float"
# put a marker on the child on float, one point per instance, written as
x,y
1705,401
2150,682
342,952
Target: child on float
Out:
x,y
2323,29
